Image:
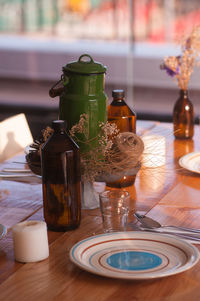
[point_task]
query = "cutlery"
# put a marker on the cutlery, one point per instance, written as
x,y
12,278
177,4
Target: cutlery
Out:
x,y
184,235
150,223
191,237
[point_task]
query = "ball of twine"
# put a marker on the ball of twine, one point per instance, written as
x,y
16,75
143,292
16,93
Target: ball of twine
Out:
x,y
126,151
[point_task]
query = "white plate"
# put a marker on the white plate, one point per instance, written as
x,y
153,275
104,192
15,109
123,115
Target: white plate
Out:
x,y
191,162
3,231
134,255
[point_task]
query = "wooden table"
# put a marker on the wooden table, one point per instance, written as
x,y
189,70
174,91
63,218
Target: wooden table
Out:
x,y
169,194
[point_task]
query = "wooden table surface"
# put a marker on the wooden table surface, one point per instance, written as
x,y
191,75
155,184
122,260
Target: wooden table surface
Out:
x,y
169,194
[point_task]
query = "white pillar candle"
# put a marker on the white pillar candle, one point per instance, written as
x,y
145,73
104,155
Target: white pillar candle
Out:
x,y
30,241
154,154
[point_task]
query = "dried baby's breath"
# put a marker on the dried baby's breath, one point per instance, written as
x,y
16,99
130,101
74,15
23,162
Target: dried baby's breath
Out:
x,y
46,133
113,152
181,67
81,127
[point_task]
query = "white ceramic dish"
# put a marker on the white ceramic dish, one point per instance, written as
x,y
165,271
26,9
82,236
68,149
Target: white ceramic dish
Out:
x,y
134,255
191,162
3,231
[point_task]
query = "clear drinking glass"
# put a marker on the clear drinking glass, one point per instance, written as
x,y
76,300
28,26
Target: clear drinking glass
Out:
x,y
114,206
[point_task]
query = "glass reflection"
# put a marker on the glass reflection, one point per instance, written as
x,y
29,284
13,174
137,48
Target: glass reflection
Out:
x,y
153,179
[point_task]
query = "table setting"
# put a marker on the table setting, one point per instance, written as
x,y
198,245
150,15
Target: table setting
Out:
x,y
78,220
91,230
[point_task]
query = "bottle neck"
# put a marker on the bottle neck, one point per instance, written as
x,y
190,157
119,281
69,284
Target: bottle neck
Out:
x,y
121,100
183,93
59,131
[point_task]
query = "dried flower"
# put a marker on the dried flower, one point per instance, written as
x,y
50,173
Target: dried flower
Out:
x,y
113,153
46,133
181,67
81,127
171,65
106,157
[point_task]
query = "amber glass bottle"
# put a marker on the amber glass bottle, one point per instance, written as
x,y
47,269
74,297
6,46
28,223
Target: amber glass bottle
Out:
x,y
61,180
183,117
125,119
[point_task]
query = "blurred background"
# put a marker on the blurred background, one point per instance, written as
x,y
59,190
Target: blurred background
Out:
x,y
130,37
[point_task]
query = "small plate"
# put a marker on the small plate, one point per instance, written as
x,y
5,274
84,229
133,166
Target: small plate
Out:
x,y
134,255
191,162
3,231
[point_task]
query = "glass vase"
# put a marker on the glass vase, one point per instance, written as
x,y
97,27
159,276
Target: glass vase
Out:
x,y
183,117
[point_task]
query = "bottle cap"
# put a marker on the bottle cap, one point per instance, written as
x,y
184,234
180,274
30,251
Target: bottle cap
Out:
x,y
118,93
59,125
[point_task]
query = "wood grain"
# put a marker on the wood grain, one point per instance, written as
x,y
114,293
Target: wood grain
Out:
x,y
169,194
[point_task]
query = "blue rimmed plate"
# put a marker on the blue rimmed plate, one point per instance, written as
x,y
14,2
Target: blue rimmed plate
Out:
x,y
3,231
134,255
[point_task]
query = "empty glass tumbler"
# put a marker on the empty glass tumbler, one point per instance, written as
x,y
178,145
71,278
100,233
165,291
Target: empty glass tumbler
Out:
x,y
114,206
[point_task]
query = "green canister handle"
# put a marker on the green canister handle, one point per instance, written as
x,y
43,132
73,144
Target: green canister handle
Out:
x,y
58,87
86,55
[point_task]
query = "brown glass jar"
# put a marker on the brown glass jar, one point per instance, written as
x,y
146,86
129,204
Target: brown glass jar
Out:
x,y
183,117
61,180
125,119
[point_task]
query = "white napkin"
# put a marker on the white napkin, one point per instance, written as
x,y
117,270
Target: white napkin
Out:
x,y
15,135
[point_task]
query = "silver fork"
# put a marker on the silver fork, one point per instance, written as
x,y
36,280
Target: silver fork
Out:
x,y
150,223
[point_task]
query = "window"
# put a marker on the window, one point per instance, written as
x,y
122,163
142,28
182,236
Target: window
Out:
x,y
131,37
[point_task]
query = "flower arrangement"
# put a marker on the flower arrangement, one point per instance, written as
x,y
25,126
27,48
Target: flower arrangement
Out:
x,y
113,153
181,67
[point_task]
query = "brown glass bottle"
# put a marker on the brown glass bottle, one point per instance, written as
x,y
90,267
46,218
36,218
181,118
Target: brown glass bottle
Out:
x,y
125,119
183,117
61,180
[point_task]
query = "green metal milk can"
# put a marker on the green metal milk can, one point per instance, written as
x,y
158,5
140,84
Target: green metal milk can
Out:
x,y
81,91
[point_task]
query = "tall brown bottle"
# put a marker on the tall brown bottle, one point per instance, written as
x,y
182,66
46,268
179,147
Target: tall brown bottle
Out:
x,y
61,180
183,117
125,119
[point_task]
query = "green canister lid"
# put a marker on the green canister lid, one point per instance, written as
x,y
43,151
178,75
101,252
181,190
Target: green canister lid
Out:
x,y
85,65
